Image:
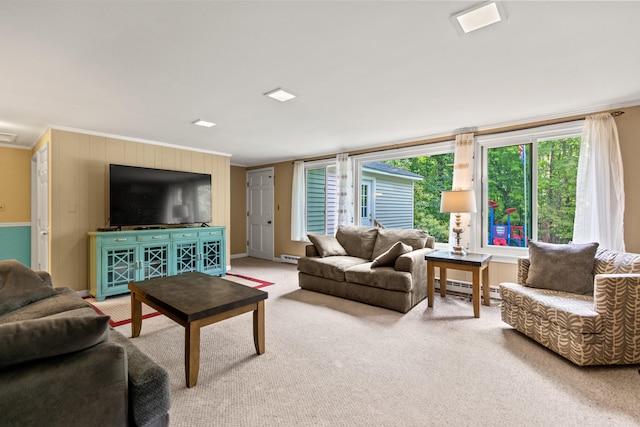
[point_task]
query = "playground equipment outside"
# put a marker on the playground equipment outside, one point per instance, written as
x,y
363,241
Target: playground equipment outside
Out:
x,y
505,235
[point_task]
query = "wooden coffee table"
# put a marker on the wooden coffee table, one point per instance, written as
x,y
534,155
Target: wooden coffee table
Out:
x,y
195,300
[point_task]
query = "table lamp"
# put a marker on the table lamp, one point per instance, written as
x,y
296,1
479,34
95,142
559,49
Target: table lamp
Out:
x,y
458,202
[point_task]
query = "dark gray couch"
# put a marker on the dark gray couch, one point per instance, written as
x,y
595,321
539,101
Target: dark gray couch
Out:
x,y
61,364
360,264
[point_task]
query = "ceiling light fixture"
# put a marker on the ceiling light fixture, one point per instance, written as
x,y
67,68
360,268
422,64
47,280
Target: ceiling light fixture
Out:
x,y
8,138
478,17
203,123
280,94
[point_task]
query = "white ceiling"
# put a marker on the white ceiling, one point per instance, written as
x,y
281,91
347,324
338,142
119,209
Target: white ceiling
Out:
x,y
365,73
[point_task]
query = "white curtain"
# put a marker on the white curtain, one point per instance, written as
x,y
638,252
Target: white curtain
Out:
x,y
462,180
344,193
600,185
298,200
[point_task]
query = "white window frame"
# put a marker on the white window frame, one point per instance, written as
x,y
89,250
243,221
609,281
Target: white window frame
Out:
x,y
480,220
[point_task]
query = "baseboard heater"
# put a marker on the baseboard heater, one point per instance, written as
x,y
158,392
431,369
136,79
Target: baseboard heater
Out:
x,y
291,259
465,288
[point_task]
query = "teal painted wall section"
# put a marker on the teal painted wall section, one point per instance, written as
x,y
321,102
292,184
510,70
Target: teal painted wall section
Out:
x,y
15,243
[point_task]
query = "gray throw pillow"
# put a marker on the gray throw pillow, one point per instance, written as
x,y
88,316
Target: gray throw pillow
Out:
x,y
389,257
46,337
562,267
20,286
387,237
357,241
326,245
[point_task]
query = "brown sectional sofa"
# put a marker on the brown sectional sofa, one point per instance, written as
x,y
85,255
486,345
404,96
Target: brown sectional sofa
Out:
x,y
368,265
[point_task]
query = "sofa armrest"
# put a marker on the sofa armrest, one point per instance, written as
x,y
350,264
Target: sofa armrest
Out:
x,y
149,392
410,261
310,250
618,295
523,270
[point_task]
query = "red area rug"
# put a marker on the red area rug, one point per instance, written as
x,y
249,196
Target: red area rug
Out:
x,y
119,307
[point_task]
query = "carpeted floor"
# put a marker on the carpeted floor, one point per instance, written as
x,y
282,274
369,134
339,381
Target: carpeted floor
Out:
x,y
334,362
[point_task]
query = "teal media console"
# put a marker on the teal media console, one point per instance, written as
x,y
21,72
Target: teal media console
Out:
x,y
117,258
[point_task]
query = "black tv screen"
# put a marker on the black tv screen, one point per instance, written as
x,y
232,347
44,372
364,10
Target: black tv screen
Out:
x,y
144,196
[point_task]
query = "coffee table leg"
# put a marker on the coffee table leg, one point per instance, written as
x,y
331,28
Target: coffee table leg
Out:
x,y
136,316
192,353
258,327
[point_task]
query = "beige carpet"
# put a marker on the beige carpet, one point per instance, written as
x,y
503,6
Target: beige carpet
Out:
x,y
334,362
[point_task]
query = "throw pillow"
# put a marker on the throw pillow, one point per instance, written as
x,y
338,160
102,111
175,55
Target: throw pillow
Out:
x,y
387,237
46,337
20,286
357,241
562,267
326,245
389,257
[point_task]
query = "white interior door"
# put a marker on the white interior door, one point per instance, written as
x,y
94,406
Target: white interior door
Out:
x,y
39,210
260,213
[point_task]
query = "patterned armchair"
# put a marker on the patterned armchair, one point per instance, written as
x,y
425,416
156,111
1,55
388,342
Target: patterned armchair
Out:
x,y
598,329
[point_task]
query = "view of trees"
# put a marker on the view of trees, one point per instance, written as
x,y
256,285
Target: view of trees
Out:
x,y
509,185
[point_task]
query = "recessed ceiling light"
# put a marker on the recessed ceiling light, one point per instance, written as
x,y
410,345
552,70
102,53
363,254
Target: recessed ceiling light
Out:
x,y
478,17
203,123
280,94
8,138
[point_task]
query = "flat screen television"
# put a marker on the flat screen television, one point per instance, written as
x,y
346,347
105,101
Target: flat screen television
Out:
x,y
154,197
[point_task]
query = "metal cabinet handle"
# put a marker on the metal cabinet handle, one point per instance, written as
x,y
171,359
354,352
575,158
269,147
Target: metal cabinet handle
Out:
x,y
156,237
121,239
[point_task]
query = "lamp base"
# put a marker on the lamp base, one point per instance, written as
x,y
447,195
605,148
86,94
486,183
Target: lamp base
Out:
x,y
457,250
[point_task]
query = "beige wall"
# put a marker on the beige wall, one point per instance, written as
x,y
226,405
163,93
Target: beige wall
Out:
x,y
15,185
79,165
629,132
238,229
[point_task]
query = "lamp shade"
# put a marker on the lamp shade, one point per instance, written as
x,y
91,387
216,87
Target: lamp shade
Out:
x,y
458,201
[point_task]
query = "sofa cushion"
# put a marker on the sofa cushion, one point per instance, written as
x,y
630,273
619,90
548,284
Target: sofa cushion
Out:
x,y
39,338
381,277
20,286
387,237
357,241
390,255
562,267
326,245
567,310
330,267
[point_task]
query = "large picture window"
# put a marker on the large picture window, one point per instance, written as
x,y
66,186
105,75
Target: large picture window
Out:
x,y
401,188
528,187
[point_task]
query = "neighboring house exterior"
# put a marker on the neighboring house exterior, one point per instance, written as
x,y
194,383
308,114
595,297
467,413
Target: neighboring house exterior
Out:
x,y
387,197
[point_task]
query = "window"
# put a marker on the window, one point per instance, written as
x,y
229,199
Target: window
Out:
x,y
528,187
401,188
321,198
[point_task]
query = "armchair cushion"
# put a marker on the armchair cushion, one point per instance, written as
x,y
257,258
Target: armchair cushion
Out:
x,y
40,338
562,267
20,286
326,245
390,256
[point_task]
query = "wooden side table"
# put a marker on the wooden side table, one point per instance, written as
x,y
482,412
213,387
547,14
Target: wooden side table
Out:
x,y
475,263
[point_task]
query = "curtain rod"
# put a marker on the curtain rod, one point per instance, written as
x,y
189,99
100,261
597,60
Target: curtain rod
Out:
x,y
532,125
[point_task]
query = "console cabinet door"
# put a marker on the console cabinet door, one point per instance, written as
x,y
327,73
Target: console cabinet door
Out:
x,y
212,252
119,267
154,261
